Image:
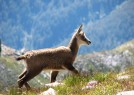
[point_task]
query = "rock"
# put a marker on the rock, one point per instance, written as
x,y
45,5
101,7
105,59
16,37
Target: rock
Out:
x,y
50,91
54,84
123,77
126,93
7,51
90,85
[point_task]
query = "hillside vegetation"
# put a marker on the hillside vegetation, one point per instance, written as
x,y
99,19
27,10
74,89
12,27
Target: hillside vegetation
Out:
x,y
108,84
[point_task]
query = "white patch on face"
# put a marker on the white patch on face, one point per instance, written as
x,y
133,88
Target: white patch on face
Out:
x,y
86,37
80,41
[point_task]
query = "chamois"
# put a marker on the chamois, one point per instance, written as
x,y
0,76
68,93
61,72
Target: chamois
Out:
x,y
54,59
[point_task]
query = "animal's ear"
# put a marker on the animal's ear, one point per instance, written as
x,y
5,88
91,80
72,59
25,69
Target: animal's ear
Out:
x,y
80,28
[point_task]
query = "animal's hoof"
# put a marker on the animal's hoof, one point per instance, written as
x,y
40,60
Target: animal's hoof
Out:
x,y
27,86
20,83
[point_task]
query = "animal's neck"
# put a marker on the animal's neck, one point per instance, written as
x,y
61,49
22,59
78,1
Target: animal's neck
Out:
x,y
73,45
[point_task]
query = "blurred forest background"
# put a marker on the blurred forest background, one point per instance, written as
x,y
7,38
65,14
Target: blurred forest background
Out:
x,y
25,24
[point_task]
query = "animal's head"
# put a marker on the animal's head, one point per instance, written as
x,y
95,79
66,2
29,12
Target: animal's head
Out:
x,y
81,37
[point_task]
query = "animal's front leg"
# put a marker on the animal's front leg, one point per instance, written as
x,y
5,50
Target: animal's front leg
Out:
x,y
72,69
53,76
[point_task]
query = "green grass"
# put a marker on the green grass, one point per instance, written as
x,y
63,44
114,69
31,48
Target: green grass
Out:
x,y
107,85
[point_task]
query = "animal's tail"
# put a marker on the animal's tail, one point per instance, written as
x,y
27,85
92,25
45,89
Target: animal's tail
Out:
x,y
20,57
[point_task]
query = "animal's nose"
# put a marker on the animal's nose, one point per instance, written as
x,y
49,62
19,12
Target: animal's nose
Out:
x,y
89,42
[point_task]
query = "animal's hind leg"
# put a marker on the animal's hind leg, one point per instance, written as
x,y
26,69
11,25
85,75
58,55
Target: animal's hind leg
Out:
x,y
22,75
31,73
24,79
53,76
27,86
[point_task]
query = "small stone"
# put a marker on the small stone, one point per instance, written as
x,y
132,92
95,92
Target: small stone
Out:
x,y
54,84
90,85
123,77
50,91
126,93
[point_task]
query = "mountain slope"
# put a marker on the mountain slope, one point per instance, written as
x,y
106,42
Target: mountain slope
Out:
x,y
112,60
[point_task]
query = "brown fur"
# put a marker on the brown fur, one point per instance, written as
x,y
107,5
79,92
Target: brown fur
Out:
x,y
54,59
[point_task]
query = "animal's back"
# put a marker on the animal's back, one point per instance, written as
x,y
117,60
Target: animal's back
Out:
x,y
52,58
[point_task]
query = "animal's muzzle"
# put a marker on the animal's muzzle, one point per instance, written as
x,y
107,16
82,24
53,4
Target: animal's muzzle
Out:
x,y
88,42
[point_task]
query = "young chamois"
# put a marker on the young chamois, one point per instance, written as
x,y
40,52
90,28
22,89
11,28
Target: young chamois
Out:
x,y
54,59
